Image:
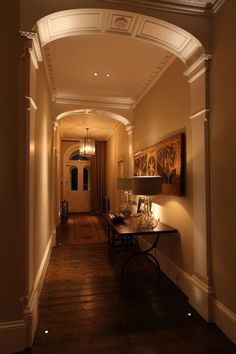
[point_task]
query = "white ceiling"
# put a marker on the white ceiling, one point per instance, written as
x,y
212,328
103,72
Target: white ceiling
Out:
x,y
133,65
130,64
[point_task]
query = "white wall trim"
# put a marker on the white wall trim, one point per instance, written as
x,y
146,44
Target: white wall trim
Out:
x,y
200,295
218,5
31,310
15,336
225,319
199,114
31,103
198,68
12,336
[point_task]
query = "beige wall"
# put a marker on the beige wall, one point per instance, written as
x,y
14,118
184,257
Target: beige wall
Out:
x,y
117,150
43,169
223,149
163,112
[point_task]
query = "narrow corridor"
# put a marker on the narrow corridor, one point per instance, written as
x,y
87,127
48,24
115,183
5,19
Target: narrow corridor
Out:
x,y
84,309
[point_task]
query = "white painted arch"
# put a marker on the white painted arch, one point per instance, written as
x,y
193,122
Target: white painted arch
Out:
x,y
101,21
107,114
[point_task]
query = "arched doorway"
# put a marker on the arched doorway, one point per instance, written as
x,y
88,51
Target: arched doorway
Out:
x,y
191,52
76,180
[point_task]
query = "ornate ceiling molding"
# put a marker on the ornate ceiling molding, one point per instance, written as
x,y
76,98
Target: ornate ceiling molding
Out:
x,y
112,102
154,31
35,51
198,68
192,7
159,71
93,21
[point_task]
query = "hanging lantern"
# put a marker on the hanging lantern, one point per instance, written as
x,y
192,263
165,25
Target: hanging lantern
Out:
x,y
87,146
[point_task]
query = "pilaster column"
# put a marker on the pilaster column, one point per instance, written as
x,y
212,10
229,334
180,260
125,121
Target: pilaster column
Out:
x,y
129,129
201,290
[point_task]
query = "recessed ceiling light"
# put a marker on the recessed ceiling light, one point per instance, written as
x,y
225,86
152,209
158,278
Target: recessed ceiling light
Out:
x,y
108,75
95,74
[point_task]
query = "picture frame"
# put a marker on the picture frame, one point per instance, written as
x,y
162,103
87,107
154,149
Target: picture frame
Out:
x,y
166,159
141,202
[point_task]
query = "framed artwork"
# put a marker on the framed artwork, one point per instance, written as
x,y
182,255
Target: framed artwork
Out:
x,y
140,207
165,159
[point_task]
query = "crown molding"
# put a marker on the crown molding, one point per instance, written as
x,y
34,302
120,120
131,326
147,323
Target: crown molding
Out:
x,y
155,77
218,5
194,7
113,102
199,67
36,49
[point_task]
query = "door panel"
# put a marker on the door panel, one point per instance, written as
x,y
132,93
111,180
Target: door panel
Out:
x,y
75,189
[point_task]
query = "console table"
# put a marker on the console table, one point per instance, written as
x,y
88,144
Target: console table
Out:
x,y
125,233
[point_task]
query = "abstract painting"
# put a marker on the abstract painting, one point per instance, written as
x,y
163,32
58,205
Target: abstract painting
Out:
x,y
165,159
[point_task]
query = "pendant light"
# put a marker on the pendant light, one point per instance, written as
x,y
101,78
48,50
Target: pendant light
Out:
x,y
88,145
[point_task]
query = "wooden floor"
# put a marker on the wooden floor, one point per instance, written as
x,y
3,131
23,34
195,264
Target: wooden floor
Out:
x,y
84,309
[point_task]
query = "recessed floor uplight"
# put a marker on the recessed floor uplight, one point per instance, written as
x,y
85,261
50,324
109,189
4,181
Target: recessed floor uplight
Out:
x,y
46,331
189,314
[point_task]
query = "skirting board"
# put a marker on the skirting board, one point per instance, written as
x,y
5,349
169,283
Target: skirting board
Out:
x,y
12,336
31,311
225,320
15,336
200,296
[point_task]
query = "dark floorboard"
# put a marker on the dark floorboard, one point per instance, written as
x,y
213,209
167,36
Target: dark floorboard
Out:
x,y
86,310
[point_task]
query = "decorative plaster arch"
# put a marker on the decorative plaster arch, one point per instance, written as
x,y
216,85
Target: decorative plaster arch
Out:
x,y
110,115
100,21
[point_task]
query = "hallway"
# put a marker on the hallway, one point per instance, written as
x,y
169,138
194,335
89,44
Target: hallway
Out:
x,y
85,309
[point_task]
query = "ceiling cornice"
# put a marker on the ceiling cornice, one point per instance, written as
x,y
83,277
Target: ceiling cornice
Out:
x,y
218,5
35,51
194,7
96,101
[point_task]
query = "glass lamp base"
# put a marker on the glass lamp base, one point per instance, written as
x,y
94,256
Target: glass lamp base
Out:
x,y
147,221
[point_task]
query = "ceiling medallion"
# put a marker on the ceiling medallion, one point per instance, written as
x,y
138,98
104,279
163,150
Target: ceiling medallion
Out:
x,y
121,22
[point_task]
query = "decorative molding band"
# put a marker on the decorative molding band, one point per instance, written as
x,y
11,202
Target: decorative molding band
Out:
x,y
198,67
36,46
50,71
218,5
31,102
129,129
155,77
89,21
12,336
195,8
204,112
33,58
225,319
114,102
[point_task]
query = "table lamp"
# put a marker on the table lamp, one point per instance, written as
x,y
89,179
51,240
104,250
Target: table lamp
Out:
x,y
124,184
147,186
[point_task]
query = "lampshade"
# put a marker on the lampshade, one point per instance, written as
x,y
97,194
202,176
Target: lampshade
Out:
x,y
146,185
124,184
88,146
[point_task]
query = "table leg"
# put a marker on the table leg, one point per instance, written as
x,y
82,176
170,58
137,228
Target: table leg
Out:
x,y
139,252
